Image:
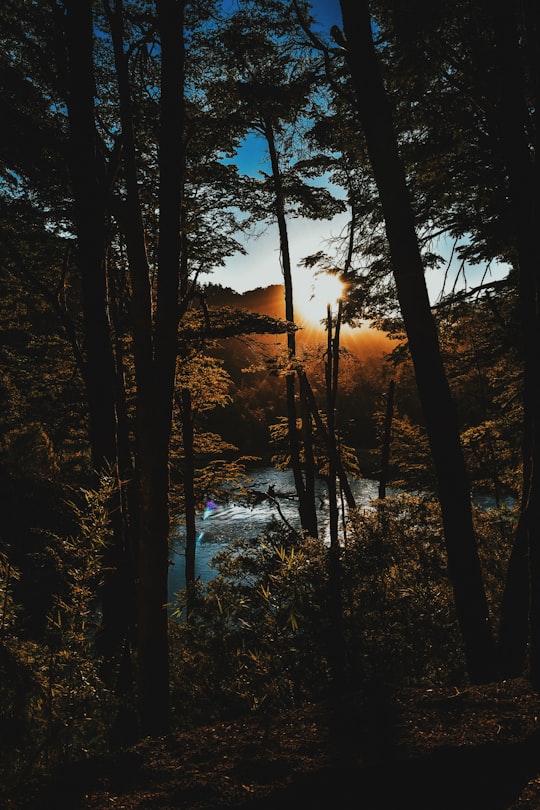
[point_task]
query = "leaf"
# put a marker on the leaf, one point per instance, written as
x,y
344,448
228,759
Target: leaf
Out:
x,y
227,322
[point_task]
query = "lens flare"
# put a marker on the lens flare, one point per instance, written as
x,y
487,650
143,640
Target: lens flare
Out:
x,y
209,509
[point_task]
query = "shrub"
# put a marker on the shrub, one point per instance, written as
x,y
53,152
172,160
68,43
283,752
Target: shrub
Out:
x,y
260,631
253,641
55,706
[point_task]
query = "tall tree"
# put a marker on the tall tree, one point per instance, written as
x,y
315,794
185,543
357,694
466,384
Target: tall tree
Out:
x,y
468,80
91,179
156,389
275,95
375,115
194,188
514,87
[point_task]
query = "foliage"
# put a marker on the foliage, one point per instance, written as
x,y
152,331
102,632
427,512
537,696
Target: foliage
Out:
x,y
42,421
250,642
398,599
411,466
281,456
55,706
492,460
258,638
440,68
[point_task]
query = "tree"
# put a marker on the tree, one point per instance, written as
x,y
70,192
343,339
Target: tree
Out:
x,y
513,72
464,567
275,95
91,175
477,68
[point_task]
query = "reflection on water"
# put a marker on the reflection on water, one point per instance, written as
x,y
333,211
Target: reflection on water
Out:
x,y
222,522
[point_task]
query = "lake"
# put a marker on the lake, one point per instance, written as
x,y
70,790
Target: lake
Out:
x,y
222,522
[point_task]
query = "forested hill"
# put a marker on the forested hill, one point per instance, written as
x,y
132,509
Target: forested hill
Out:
x,y
266,300
364,341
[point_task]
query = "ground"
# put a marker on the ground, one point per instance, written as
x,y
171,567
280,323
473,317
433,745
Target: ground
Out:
x,y
475,748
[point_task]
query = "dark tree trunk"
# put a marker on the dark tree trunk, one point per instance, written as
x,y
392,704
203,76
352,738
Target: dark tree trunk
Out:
x,y
90,193
331,382
387,432
323,432
151,452
520,619
126,516
309,455
306,497
438,408
337,647
87,176
129,215
189,494
513,635
153,556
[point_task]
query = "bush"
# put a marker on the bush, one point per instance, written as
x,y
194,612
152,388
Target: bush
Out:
x,y
253,641
260,632
55,707
400,620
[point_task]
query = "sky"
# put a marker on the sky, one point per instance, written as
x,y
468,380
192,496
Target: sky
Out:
x,y
261,266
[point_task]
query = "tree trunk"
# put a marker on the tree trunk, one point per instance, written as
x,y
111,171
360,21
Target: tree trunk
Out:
x,y
189,495
438,408
310,470
306,497
89,196
330,366
520,619
155,353
387,431
323,433
153,557
90,193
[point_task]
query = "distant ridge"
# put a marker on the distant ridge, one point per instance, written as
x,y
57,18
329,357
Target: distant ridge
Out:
x,y
264,300
363,341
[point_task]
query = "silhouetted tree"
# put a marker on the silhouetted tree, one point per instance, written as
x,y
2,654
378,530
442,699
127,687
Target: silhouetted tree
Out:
x,y
375,115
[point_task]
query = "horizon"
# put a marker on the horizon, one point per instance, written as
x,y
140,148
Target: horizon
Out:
x,y
363,340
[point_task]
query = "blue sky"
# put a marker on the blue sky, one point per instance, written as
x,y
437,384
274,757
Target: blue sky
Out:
x,y
327,13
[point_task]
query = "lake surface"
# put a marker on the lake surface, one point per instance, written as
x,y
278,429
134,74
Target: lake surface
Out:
x,y
223,521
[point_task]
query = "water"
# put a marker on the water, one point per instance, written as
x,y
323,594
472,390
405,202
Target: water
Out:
x,y
218,526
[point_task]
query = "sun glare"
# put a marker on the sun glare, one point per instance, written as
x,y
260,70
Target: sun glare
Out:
x,y
312,299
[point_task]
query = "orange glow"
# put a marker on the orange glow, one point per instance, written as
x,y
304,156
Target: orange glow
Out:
x,y
363,342
312,298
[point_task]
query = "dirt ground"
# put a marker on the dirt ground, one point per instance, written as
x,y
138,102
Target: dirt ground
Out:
x,y
477,748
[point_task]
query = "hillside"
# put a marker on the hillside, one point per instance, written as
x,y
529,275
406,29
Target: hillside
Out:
x,y
364,342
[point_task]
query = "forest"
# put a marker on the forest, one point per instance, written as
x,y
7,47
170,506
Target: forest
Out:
x,y
136,384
